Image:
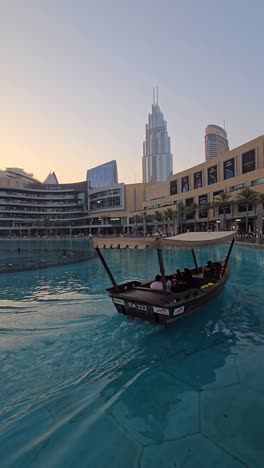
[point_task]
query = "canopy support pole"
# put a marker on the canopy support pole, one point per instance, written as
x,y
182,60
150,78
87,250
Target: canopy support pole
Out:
x,y
162,269
106,267
195,260
228,255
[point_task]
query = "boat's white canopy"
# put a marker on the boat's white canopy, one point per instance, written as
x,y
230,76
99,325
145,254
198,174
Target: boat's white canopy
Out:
x,y
187,240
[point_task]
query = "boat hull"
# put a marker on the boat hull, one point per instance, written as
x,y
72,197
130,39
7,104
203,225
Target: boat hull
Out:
x,y
157,307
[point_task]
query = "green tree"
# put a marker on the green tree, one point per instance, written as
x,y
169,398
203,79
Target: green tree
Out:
x,y
46,223
180,211
150,218
260,202
223,200
158,218
247,197
158,215
136,219
169,216
205,208
144,218
192,212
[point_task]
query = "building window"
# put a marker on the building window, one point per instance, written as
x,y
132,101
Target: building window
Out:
x,y
173,187
221,210
189,202
217,193
229,169
212,175
258,181
197,180
243,208
185,184
248,161
202,201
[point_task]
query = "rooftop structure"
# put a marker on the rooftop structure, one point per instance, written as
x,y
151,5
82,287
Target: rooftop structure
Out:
x,y
51,179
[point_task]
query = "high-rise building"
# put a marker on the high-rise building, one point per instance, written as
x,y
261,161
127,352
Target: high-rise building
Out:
x,y
100,176
157,158
216,142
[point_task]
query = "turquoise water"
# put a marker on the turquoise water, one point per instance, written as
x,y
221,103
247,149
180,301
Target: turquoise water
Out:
x,y
82,386
24,255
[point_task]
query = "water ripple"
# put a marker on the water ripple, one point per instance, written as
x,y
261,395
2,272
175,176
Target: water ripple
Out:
x,y
73,370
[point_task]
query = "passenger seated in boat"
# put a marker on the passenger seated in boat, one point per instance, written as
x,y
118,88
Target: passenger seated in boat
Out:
x,y
218,269
187,276
209,270
168,282
179,275
184,283
157,284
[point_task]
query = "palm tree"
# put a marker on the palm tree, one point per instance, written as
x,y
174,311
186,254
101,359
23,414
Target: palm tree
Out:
x,y
223,200
158,215
46,223
158,218
168,215
174,219
180,211
205,208
260,202
137,219
192,211
144,217
247,197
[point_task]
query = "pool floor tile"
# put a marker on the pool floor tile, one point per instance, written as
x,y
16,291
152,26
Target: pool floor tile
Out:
x,y
157,407
191,452
233,418
101,444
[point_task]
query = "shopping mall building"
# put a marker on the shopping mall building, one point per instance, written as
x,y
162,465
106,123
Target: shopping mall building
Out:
x,y
102,205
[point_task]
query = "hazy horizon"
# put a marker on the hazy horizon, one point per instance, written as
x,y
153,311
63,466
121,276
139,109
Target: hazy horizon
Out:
x,y
77,79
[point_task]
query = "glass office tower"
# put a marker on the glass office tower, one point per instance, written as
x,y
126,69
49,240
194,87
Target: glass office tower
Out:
x,y
102,176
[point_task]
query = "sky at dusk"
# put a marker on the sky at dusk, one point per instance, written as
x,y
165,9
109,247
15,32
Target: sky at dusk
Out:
x,y
76,80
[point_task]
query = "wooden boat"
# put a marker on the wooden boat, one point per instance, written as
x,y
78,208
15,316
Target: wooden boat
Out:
x,y
138,300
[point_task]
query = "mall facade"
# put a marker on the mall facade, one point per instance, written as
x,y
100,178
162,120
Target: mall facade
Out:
x,y
101,205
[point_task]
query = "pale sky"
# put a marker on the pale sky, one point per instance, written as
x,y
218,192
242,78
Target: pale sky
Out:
x,y
76,79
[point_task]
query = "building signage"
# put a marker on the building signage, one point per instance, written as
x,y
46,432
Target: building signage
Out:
x,y
237,187
212,175
185,184
202,201
197,180
248,161
229,168
52,187
173,187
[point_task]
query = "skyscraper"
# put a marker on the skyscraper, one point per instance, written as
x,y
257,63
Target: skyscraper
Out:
x,y
157,157
216,142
